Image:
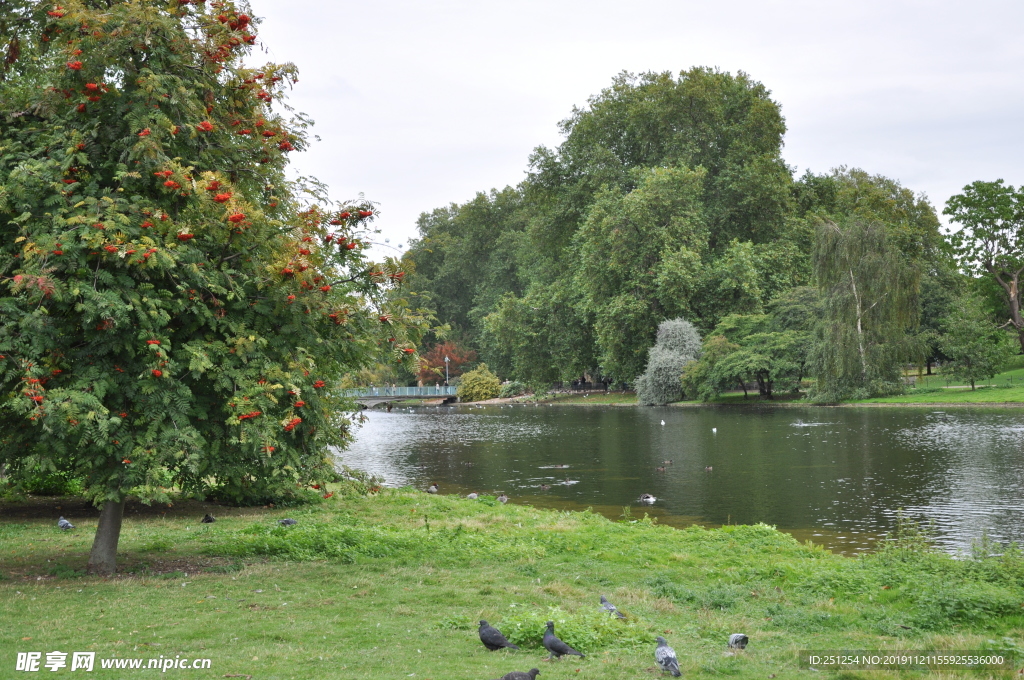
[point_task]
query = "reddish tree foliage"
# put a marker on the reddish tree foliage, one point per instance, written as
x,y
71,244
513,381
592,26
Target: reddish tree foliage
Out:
x,y
432,362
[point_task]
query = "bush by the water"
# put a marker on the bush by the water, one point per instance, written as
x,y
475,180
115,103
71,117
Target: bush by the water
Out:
x,y
678,344
513,389
479,384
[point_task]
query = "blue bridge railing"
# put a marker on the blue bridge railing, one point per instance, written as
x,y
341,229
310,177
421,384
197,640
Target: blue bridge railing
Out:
x,y
409,392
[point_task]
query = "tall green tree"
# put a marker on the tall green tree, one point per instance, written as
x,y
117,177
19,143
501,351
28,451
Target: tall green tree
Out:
x,y
467,257
991,240
176,312
977,348
869,291
639,262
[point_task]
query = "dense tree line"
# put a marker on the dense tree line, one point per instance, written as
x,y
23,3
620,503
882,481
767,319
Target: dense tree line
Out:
x,y
669,198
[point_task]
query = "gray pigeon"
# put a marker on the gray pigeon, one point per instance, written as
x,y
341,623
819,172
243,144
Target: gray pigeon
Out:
x,y
64,524
738,641
287,522
556,646
208,519
432,488
519,675
666,658
610,608
492,637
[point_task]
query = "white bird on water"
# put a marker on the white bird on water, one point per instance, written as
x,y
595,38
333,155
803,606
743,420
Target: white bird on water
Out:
x,y
663,422
714,430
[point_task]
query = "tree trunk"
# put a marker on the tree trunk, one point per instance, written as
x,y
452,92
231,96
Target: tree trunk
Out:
x,y
103,557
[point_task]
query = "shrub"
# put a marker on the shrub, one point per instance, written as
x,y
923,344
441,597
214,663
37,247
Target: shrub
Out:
x,y
47,482
479,384
513,389
677,345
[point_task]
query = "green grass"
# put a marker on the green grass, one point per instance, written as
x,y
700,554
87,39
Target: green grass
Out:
x,y
392,585
595,398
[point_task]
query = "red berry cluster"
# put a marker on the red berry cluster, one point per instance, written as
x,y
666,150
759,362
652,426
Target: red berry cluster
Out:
x,y
251,414
292,423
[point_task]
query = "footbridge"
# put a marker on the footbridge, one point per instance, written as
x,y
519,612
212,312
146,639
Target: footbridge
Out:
x,y
368,396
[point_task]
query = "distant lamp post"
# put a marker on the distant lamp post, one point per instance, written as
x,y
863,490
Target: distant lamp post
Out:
x,y
446,360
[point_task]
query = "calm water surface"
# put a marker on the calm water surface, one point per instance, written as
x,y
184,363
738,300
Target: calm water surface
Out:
x,y
837,476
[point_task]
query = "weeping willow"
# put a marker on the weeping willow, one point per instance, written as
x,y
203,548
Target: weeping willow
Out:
x,y
870,290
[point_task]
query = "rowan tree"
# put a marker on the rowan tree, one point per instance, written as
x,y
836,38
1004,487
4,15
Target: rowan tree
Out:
x,y
176,313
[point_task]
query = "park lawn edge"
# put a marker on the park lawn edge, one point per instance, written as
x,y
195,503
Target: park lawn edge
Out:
x,y
305,601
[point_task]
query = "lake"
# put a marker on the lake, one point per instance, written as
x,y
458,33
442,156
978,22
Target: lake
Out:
x,y
837,476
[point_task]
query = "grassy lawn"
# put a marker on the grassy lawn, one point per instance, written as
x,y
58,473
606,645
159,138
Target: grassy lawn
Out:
x,y
936,395
601,398
391,586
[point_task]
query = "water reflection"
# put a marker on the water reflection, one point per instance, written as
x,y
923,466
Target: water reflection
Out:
x,y
834,476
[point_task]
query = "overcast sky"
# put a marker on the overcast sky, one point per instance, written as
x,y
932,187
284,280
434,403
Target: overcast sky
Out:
x,y
421,104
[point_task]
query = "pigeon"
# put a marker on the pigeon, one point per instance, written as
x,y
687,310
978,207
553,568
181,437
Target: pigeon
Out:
x,y
287,522
492,637
472,496
208,519
647,498
64,524
738,641
666,658
556,646
432,488
503,498
610,608
519,675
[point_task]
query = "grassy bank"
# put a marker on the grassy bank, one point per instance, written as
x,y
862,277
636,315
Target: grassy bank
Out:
x,y
594,398
392,585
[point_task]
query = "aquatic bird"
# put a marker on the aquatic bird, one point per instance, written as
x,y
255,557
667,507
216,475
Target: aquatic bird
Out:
x,y
666,462
659,469
738,641
472,496
287,522
708,469
556,647
432,488
208,519
714,430
647,498
492,637
519,675
64,524
666,657
503,498
545,487
663,422
610,608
